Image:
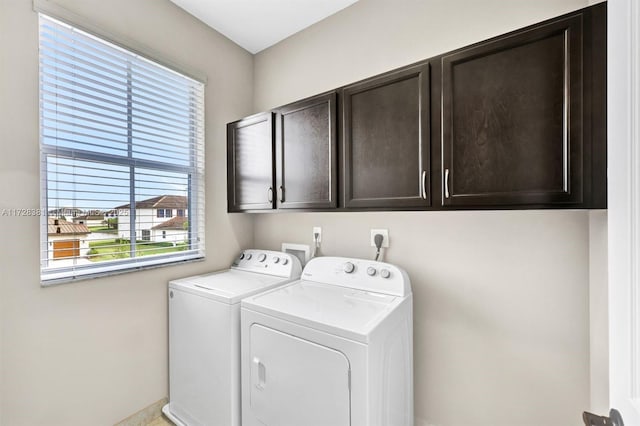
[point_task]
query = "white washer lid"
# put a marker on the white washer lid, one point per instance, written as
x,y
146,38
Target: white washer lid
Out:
x,y
343,311
228,286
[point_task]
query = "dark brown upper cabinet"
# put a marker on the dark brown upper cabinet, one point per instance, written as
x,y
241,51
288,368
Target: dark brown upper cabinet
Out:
x,y
306,160
517,113
386,140
250,163
518,121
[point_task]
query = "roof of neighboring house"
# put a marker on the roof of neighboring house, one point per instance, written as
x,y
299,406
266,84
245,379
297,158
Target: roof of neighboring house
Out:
x,y
160,202
65,227
174,223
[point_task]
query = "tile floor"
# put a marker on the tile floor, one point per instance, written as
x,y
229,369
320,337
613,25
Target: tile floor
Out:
x,y
161,421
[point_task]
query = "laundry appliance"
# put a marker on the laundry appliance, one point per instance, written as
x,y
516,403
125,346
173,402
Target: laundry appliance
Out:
x,y
333,348
204,336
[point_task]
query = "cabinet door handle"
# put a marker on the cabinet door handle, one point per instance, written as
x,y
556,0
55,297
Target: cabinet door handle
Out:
x,y
424,184
281,196
270,195
446,183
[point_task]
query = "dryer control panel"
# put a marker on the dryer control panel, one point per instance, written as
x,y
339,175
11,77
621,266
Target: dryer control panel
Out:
x,y
368,275
268,262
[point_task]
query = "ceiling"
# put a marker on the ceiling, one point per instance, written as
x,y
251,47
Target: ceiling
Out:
x,y
258,24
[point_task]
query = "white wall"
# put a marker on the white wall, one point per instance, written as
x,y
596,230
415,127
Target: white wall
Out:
x,y
501,298
94,352
598,312
374,36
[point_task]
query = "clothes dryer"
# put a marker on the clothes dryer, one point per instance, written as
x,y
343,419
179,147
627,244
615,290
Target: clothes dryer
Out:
x,y
204,336
333,348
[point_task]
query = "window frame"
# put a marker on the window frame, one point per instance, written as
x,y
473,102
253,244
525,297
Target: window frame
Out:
x,y
194,173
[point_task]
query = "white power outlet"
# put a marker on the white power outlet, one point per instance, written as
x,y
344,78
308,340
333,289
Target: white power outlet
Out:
x,y
385,237
317,230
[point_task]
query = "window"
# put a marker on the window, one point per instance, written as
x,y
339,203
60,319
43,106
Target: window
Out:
x,y
164,213
120,136
180,212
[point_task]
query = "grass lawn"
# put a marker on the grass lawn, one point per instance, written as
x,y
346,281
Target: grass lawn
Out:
x,y
120,249
103,229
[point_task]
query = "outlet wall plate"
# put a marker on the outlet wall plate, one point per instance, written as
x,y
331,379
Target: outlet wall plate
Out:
x,y
316,230
385,237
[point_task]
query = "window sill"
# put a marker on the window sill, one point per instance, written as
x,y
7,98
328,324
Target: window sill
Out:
x,y
62,277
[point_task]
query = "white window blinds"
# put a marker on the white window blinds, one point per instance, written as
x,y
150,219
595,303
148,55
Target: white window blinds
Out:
x,y
122,158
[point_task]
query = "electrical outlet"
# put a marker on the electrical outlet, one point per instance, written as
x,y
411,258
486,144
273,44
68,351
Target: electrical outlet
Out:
x,y
385,237
317,230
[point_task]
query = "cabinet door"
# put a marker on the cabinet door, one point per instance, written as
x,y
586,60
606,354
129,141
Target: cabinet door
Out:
x,y
250,163
306,154
386,141
512,119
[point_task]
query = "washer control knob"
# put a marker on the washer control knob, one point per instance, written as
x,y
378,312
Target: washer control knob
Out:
x,y
285,260
262,257
348,267
241,256
384,273
249,256
371,271
276,259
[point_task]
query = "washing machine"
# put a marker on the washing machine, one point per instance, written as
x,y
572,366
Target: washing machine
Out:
x,y
204,336
334,348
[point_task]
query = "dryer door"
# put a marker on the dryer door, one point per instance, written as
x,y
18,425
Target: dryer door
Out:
x,y
296,382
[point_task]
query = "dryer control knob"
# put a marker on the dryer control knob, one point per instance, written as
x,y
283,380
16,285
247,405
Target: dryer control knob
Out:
x,y
249,256
348,267
276,259
262,257
285,260
241,256
371,271
384,273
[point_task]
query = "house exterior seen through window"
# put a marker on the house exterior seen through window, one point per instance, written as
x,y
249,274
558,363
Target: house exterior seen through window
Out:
x,y
122,151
